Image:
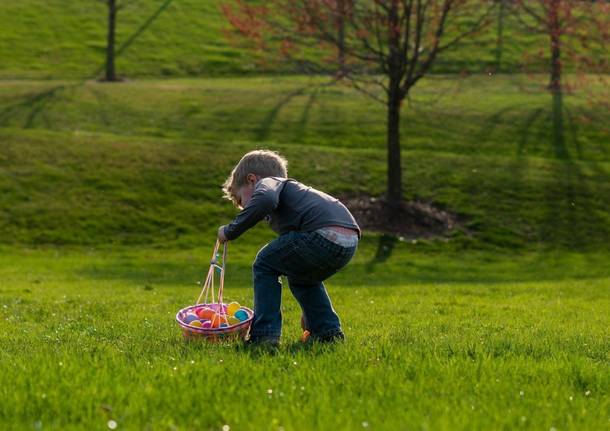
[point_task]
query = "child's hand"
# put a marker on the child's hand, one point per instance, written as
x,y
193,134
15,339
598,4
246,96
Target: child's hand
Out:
x,y
221,235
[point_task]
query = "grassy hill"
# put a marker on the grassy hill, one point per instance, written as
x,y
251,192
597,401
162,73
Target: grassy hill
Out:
x,y
109,204
56,39
142,162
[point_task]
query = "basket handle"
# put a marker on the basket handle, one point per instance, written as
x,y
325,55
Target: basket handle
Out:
x,y
208,285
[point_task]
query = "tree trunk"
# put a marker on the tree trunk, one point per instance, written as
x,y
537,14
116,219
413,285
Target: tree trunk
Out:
x,y
500,35
340,22
394,192
110,72
395,68
342,69
555,33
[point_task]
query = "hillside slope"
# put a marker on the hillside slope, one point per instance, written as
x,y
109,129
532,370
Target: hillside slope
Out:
x,y
142,163
57,39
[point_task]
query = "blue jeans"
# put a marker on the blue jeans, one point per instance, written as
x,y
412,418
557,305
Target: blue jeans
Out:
x,y
306,259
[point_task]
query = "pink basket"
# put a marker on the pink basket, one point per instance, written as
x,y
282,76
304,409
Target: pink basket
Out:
x,y
233,332
214,334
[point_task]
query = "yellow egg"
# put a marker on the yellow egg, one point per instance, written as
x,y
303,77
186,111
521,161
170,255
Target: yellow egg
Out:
x,y
196,323
232,308
233,320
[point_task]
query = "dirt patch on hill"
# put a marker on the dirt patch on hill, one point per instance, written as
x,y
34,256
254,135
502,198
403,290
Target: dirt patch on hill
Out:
x,y
410,220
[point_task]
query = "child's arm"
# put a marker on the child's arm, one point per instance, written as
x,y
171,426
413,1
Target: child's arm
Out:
x,y
263,201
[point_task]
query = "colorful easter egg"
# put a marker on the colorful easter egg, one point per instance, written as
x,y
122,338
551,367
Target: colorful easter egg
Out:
x,y
206,324
224,325
196,323
241,315
189,318
233,320
205,313
232,308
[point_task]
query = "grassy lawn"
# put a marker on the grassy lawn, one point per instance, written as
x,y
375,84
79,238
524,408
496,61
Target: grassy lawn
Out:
x,y
110,197
151,155
88,337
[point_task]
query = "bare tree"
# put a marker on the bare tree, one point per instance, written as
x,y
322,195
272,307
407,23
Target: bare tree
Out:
x,y
381,47
572,28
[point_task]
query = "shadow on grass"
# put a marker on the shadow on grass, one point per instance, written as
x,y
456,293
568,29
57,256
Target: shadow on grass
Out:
x,y
385,247
33,106
572,215
265,129
403,268
562,209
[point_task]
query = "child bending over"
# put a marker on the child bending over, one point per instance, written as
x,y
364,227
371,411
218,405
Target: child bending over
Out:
x,y
317,237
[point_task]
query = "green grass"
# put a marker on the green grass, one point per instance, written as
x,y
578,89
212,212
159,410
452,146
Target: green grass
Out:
x,y
142,162
88,336
110,198
55,39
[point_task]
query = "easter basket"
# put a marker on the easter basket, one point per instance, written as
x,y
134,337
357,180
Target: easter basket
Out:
x,y
225,323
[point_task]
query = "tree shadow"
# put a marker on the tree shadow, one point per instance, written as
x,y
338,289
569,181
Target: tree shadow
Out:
x,y
385,247
302,124
525,129
32,106
265,128
572,216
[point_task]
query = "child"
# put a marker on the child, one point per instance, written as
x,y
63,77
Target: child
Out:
x,y
317,237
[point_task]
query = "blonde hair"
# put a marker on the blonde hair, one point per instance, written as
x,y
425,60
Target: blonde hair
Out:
x,y
262,163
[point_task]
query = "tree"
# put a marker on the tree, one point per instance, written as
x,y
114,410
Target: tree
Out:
x,y
502,7
385,44
111,53
110,69
572,27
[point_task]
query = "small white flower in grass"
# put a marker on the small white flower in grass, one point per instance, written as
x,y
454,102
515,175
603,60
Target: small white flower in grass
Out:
x,y
294,362
571,397
226,428
365,424
552,429
192,362
269,391
587,393
521,393
112,424
523,418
